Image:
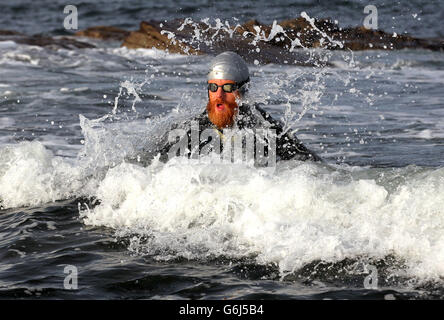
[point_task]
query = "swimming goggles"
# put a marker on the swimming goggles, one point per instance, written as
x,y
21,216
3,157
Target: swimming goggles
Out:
x,y
227,87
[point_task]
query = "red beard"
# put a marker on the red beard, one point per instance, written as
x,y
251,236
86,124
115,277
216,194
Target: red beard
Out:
x,y
222,119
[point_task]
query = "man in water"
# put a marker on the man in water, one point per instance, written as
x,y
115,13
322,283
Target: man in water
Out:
x,y
228,81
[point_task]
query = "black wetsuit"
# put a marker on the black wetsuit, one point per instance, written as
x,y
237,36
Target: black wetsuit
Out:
x,y
287,146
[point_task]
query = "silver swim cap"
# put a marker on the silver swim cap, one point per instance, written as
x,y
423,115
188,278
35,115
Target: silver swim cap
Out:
x,y
229,66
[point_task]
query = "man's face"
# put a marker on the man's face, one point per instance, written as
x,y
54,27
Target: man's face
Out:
x,y
222,106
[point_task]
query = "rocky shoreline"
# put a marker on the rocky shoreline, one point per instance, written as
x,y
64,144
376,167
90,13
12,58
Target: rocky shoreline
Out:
x,y
321,33
43,41
257,42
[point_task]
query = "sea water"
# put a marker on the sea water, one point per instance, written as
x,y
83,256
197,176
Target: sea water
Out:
x,y
71,119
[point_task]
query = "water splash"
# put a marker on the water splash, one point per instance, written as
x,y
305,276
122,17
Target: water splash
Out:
x,y
303,213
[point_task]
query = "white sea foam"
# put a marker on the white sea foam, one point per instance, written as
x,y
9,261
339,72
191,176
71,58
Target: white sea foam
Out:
x,y
425,134
302,213
152,53
31,175
21,57
7,44
6,122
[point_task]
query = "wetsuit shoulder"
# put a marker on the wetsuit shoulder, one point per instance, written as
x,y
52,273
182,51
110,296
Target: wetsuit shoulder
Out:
x,y
203,122
163,146
288,146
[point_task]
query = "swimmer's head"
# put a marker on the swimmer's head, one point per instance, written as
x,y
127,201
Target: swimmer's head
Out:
x,y
230,66
227,83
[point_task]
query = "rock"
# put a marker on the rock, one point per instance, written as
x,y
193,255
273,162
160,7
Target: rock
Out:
x,y
150,36
309,37
250,25
213,42
9,33
364,39
197,37
104,33
353,38
44,41
184,36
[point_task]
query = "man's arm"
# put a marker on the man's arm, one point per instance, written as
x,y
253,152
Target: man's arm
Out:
x,y
287,146
176,141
